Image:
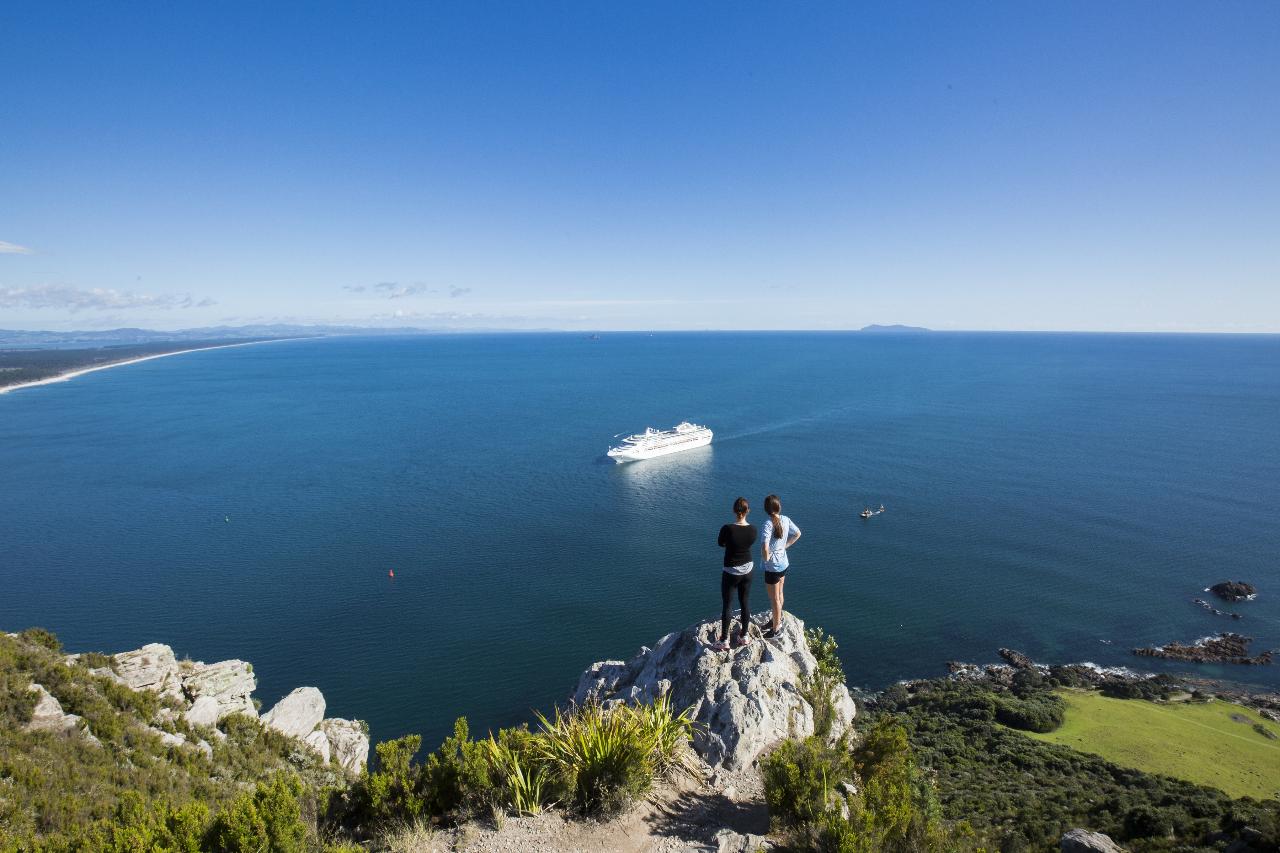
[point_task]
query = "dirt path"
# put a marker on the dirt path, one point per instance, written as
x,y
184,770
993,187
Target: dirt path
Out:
x,y
679,816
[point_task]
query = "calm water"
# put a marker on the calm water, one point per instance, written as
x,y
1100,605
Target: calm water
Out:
x,y
1066,495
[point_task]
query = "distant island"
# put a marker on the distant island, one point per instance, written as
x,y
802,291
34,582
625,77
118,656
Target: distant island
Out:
x,y
894,329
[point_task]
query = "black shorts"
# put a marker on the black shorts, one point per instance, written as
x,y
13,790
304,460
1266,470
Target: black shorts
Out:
x,y
773,577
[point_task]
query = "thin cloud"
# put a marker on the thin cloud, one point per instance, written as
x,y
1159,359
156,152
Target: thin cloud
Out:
x,y
14,249
455,292
390,289
74,299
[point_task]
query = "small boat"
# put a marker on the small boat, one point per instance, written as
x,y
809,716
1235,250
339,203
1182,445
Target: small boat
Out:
x,y
868,512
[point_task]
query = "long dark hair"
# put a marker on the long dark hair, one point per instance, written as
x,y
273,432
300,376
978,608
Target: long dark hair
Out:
x,y
773,506
740,507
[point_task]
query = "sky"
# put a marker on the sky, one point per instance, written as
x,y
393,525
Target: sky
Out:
x,y
1107,166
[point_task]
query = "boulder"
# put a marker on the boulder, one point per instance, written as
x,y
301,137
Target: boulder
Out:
x,y
1017,659
230,682
203,712
743,701
297,714
318,741
167,738
48,715
1084,841
728,841
152,667
349,743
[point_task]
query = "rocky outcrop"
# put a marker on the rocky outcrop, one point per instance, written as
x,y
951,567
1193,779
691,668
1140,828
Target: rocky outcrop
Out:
x,y
348,743
743,700
1233,591
48,715
1224,648
1017,659
230,683
152,667
319,742
1215,611
297,714
203,712
1084,841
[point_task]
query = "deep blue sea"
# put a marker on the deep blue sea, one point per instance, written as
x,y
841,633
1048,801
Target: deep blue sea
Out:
x,y
1066,495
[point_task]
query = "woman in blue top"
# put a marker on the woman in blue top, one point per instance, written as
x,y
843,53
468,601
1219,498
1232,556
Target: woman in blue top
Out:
x,y
777,535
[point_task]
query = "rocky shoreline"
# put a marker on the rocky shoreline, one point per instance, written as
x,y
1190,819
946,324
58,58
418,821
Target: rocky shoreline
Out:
x,y
1224,648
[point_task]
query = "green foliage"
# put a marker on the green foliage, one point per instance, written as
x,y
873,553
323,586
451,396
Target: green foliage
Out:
x,y
605,757
1034,713
817,689
393,792
41,637
268,818
802,781
521,779
873,799
64,792
1019,793
456,776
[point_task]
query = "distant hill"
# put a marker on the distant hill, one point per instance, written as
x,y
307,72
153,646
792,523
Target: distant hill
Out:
x,y
895,329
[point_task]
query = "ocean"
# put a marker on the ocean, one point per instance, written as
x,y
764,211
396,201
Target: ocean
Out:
x,y
1067,495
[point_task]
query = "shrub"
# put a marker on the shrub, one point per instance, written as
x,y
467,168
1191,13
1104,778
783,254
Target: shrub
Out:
x,y
393,793
817,688
520,776
802,779
268,818
456,776
606,758
1036,713
41,637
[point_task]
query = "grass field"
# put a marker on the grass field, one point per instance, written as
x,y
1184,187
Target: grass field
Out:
x,y
1197,742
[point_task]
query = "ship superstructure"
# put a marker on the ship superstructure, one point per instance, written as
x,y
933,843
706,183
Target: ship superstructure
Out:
x,y
658,442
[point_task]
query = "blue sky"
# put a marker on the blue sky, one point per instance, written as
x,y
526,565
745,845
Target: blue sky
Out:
x,y
1108,166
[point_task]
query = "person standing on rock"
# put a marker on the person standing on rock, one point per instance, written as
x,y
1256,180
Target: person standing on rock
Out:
x,y
736,539
777,535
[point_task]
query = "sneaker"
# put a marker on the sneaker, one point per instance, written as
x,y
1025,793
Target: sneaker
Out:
x,y
718,646
740,640
770,633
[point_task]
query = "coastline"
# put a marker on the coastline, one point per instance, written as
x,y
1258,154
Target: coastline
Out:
x,y
72,374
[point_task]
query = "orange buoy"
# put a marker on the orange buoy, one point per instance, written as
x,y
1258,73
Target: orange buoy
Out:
x,y
391,573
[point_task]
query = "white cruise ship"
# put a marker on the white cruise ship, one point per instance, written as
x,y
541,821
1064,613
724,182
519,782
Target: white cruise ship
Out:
x,y
660,442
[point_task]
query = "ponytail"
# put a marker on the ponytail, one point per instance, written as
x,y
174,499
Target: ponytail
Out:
x,y
773,506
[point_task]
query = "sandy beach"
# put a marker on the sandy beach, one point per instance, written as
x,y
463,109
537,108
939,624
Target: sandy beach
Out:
x,y
72,374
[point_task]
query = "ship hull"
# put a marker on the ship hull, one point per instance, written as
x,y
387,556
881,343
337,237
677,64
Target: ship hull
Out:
x,y
638,454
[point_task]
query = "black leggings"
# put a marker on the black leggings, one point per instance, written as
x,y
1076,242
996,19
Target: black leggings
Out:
x,y
727,583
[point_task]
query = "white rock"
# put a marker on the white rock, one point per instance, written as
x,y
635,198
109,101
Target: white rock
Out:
x,y
318,741
297,714
230,682
1084,841
349,742
203,712
203,746
167,738
152,667
744,700
48,715
728,841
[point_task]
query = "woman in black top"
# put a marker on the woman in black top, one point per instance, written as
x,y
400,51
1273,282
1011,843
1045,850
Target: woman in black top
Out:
x,y
736,539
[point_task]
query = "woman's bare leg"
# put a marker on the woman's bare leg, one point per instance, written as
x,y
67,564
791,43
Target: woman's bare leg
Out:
x,y
775,595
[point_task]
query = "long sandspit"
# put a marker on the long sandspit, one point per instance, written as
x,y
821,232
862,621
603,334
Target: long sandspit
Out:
x,y
72,374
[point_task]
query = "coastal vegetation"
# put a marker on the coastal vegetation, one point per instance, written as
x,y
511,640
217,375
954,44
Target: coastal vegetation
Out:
x,y
1214,743
111,782
1021,793
23,366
